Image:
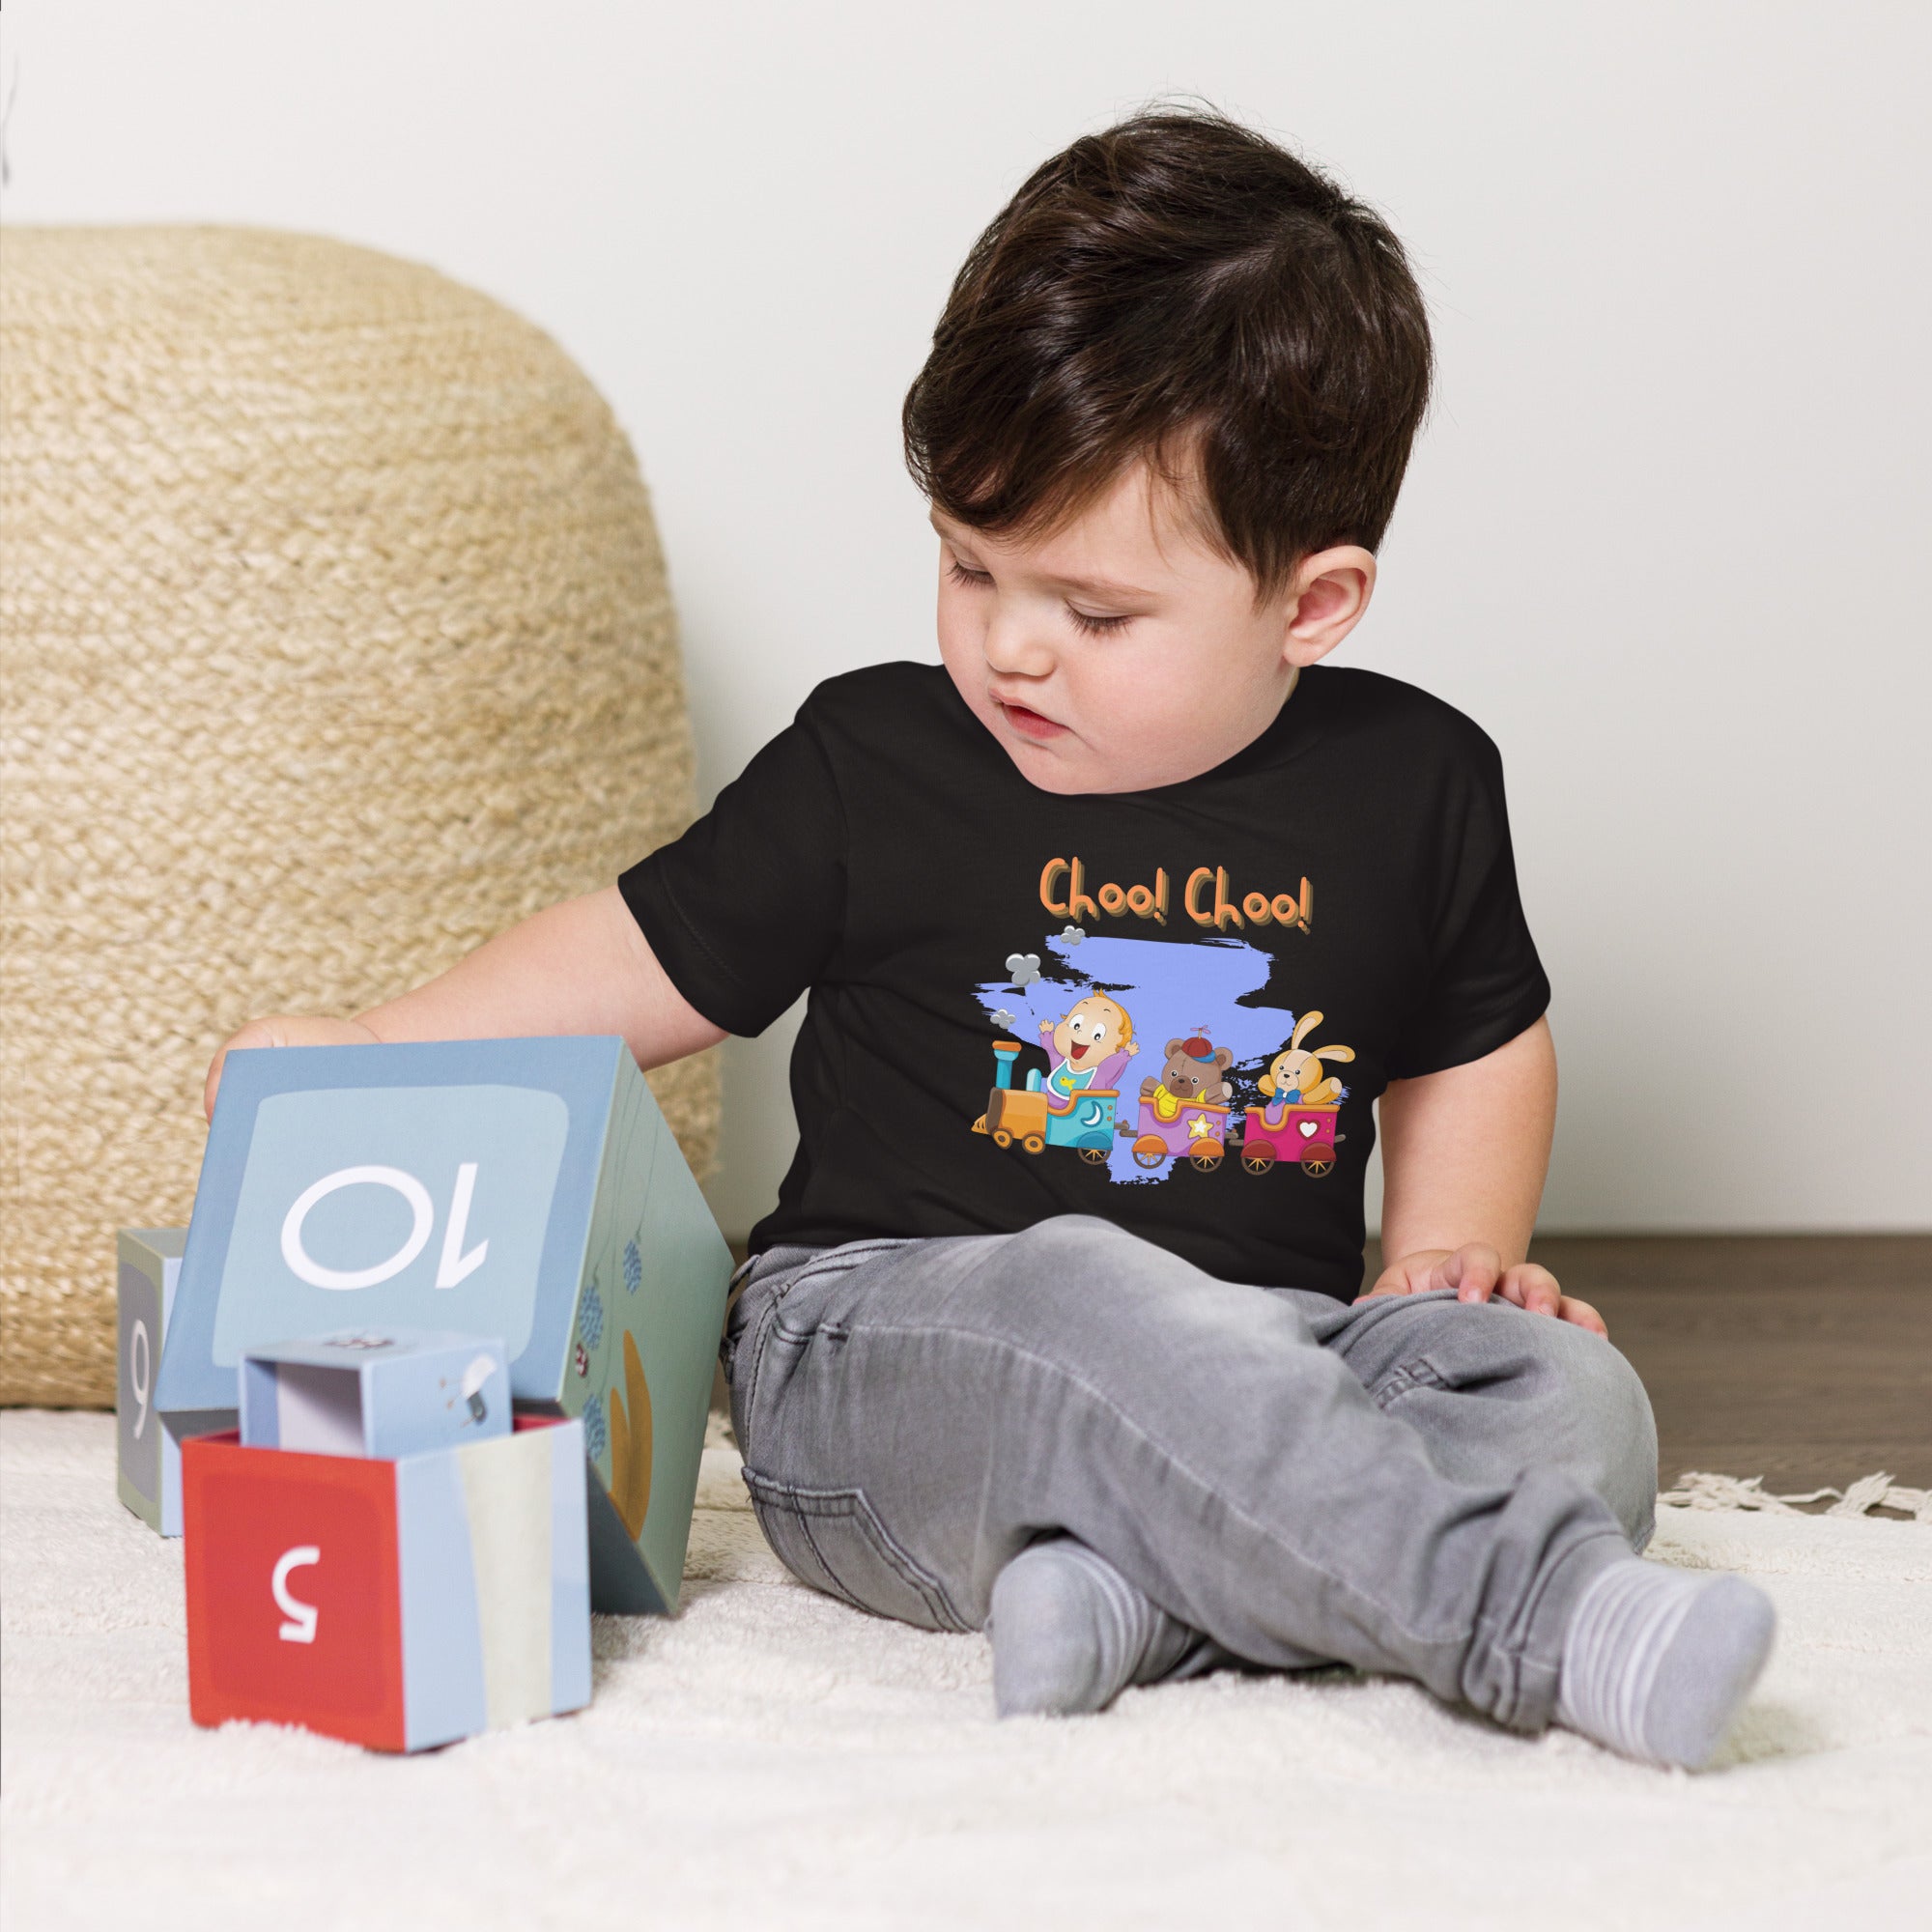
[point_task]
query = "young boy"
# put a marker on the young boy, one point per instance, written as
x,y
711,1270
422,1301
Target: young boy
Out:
x,y
1079,1363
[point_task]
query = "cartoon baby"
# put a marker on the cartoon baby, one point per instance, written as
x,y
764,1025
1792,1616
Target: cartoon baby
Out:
x,y
1089,1047
1295,1079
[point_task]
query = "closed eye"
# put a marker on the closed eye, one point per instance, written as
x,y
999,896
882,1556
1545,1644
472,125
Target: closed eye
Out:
x,y
976,580
1085,620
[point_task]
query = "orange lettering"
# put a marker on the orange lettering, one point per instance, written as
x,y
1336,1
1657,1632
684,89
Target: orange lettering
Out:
x,y
1077,899
1052,868
1187,897
1224,908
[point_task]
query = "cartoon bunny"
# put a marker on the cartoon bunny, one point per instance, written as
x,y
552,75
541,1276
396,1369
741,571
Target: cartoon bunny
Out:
x,y
1296,1080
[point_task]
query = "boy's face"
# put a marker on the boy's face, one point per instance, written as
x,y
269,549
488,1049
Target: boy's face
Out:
x,y
1122,651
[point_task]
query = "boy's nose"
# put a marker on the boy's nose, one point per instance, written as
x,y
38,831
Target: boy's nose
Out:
x,y
1014,650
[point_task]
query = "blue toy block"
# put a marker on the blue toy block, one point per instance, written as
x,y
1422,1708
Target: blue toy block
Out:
x,y
378,1395
402,1604
524,1188
149,1264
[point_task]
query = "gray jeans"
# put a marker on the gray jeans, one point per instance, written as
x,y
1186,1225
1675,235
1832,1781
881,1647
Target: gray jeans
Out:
x,y
1410,1485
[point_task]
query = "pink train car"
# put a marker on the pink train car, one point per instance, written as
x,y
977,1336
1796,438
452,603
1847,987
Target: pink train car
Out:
x,y
1303,1134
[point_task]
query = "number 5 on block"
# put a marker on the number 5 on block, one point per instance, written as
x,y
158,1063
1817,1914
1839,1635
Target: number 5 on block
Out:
x,y
301,1617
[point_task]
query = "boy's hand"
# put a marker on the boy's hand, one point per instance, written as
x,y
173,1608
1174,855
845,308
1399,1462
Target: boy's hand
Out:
x,y
285,1030
1475,1272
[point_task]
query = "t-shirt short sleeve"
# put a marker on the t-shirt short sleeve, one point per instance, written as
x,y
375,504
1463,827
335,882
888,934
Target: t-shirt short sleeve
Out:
x,y
744,911
1485,983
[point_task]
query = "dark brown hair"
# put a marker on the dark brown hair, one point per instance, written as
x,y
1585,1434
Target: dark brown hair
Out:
x,y
1178,290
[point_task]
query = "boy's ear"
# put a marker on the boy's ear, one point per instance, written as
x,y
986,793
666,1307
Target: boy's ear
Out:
x,y
1324,601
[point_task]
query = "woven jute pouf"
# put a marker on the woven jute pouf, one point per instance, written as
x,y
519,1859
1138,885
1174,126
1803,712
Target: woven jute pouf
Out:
x,y
337,638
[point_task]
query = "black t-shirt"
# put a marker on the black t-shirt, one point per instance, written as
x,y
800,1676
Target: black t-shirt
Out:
x,y
1171,1007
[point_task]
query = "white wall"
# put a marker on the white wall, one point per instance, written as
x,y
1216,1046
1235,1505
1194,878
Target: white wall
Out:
x,y
1663,536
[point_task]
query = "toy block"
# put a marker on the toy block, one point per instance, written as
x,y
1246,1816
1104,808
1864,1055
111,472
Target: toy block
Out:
x,y
399,1604
149,1471
378,1395
524,1188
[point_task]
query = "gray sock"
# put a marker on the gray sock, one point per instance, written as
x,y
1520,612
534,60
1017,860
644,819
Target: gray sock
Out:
x,y
1070,1634
1656,1663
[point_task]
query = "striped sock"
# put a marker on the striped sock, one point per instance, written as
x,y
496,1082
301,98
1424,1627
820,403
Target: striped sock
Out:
x,y
1656,1663
1070,1632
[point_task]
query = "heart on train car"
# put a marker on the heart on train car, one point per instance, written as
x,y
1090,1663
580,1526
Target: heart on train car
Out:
x,y
1306,1129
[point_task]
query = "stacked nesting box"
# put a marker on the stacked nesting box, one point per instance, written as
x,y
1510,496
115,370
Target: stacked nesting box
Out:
x,y
377,1553
524,1188
402,1201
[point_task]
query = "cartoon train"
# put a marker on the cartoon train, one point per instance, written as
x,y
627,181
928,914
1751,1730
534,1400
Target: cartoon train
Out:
x,y
1195,1130
1304,1134
1199,1132
1037,1120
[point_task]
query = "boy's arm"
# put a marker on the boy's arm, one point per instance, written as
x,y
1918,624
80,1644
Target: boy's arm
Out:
x,y
581,967
1464,1156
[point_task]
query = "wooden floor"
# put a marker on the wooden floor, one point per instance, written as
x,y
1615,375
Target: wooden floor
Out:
x,y
1804,1360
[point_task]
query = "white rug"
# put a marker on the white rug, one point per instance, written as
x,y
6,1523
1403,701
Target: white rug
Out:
x,y
772,1759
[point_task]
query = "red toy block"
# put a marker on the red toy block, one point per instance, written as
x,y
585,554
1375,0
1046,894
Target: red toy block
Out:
x,y
294,1609
401,1603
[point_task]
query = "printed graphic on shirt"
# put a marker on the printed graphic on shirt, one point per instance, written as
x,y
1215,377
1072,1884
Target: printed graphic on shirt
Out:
x,y
1156,1056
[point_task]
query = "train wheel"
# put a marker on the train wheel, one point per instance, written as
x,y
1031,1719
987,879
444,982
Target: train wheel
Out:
x,y
1032,1143
1001,1137
1150,1151
1206,1155
1094,1156
1259,1157
1317,1160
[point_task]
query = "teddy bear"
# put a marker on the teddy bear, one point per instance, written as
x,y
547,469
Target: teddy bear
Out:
x,y
1191,1078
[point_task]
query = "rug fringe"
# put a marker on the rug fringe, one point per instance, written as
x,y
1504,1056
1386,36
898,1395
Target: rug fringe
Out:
x,y
1699,1489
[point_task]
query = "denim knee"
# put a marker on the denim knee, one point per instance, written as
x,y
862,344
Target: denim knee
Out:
x,y
1496,1387
1610,1420
1077,1243
1075,1258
